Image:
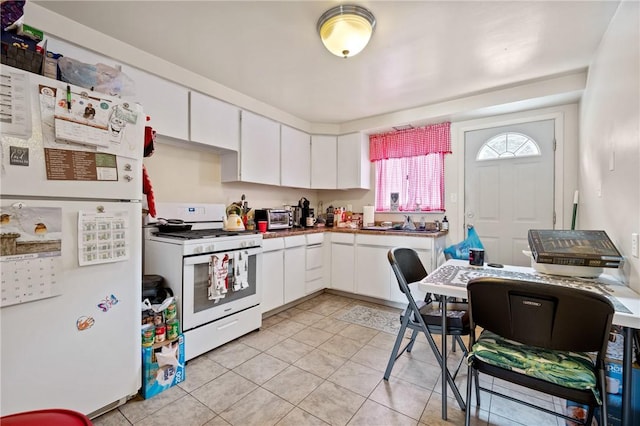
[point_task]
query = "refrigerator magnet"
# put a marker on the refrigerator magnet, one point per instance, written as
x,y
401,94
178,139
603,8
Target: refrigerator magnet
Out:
x,y
107,303
84,323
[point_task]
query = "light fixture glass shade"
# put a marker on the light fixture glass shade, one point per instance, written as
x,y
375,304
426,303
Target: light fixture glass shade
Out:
x,y
345,30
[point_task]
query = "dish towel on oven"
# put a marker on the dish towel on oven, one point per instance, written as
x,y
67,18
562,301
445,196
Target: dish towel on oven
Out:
x,y
218,274
241,263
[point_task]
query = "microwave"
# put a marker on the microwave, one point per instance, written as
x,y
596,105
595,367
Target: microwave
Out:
x,y
275,218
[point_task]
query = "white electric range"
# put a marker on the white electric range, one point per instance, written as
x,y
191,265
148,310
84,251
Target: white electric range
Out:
x,y
214,274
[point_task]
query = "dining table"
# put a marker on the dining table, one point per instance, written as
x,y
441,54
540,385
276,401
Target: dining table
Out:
x,y
450,280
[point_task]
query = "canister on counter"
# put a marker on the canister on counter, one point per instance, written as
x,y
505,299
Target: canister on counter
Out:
x,y
173,329
476,256
158,318
148,335
170,312
161,331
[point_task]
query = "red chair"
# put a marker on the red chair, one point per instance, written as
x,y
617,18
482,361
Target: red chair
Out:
x,y
51,417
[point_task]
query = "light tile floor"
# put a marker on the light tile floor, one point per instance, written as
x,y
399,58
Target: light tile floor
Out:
x,y
306,367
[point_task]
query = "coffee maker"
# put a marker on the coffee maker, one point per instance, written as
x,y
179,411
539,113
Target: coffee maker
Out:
x,y
297,216
306,212
330,218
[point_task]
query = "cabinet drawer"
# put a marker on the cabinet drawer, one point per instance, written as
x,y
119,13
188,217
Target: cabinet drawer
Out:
x,y
313,274
314,257
217,333
272,244
315,238
339,237
295,241
418,242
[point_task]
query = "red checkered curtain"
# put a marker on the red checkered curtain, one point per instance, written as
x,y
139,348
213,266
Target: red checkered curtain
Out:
x,y
411,163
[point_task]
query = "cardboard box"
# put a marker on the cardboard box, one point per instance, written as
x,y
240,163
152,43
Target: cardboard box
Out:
x,y
613,377
613,365
614,393
162,367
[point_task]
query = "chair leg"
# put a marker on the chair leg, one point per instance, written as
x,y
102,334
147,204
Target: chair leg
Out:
x,y
396,346
412,340
467,416
603,407
477,382
461,344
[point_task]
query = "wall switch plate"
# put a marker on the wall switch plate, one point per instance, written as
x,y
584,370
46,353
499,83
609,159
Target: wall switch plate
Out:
x,y
634,244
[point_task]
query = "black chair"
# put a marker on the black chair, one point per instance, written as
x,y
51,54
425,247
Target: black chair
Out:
x,y
425,315
545,337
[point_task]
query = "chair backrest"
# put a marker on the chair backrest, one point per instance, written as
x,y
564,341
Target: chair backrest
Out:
x,y
544,315
407,266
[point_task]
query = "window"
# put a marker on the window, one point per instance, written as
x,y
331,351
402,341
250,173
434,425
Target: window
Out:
x,y
508,145
410,163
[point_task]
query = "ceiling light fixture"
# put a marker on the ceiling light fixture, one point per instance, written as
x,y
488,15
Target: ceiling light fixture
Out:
x,y
345,30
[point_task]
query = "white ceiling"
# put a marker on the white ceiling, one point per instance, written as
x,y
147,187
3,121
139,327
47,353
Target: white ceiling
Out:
x,y
421,53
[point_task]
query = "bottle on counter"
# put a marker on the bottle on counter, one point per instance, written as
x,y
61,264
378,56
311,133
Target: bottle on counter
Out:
x,y
337,216
445,224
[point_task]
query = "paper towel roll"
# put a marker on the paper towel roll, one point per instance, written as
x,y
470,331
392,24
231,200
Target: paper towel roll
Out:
x,y
368,216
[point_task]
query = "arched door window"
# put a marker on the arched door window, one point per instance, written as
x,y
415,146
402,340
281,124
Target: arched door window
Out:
x,y
508,145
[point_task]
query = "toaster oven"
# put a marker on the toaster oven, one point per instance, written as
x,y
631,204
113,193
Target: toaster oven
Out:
x,y
275,218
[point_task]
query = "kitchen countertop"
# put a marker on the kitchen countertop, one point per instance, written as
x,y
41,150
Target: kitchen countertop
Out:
x,y
302,231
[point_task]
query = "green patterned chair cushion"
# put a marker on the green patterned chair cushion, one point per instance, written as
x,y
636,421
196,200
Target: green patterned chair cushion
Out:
x,y
570,369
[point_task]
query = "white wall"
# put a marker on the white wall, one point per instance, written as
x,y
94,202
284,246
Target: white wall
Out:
x,y
183,174
610,136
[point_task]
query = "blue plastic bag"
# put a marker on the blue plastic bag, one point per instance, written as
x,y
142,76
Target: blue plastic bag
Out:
x,y
461,250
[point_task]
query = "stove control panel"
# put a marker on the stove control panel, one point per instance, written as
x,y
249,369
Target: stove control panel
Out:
x,y
221,244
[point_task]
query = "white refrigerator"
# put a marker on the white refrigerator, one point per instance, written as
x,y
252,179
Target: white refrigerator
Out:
x,y
70,205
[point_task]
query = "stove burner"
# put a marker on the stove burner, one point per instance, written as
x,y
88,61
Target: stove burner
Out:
x,y
196,234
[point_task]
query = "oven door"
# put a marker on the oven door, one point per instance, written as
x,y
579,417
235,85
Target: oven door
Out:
x,y
219,284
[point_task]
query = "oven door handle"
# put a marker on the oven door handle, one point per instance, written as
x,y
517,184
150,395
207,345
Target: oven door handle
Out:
x,y
205,258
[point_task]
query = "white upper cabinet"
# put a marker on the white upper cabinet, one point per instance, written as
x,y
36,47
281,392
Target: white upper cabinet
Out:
x,y
259,157
324,162
354,169
167,103
295,158
213,122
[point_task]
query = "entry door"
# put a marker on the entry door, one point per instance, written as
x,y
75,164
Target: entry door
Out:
x,y
509,183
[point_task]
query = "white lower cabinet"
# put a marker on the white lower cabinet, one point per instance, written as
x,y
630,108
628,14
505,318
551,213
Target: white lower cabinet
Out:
x,y
395,294
373,273
272,274
294,267
298,265
314,275
342,262
285,274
